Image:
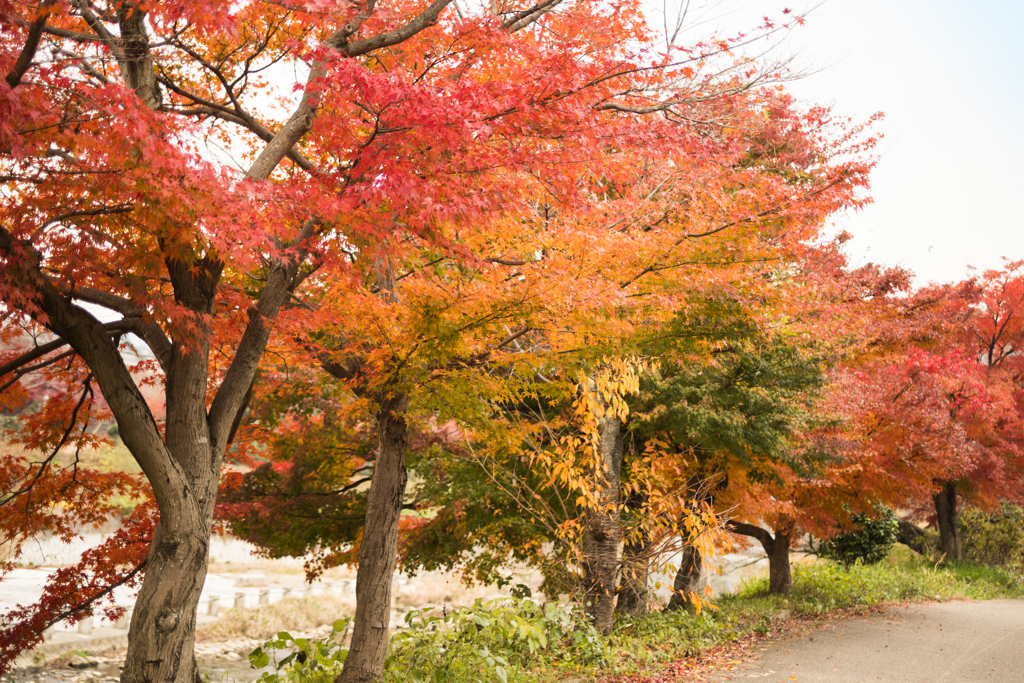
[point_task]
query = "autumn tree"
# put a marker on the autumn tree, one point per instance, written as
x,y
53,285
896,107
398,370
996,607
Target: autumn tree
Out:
x,y
572,286
731,424
413,123
928,420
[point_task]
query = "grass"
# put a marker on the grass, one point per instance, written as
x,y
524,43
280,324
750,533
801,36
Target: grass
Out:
x,y
667,646
651,644
300,615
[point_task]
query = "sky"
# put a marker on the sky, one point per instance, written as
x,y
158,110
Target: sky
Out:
x,y
949,77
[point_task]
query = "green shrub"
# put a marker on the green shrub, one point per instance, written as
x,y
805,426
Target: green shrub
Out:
x,y
488,642
306,661
996,540
868,543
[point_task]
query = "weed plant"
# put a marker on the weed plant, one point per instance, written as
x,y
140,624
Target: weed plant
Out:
x,y
519,641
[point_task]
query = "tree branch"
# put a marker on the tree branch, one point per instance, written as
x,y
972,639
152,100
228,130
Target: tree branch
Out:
x,y
35,32
247,122
757,532
425,19
29,356
231,395
91,340
134,321
521,20
101,31
43,349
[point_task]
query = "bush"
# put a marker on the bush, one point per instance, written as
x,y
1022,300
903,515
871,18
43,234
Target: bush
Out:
x,y
996,540
868,543
490,641
306,661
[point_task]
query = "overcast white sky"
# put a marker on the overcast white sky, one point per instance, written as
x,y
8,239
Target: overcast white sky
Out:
x,y
949,77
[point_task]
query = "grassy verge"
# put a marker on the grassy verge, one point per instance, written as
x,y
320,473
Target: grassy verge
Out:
x,y
521,642
646,645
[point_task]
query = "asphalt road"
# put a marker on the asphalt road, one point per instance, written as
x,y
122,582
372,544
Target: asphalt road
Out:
x,y
965,642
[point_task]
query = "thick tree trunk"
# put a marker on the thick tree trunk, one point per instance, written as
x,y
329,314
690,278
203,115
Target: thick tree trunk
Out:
x,y
946,514
601,535
632,599
688,577
162,635
379,549
780,576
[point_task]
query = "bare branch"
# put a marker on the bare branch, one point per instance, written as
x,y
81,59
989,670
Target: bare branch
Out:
x,y
135,321
22,371
29,356
35,32
244,120
521,20
757,532
425,19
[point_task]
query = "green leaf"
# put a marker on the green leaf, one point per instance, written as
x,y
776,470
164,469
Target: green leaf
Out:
x,y
258,658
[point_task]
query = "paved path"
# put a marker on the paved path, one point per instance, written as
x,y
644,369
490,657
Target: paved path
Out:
x,y
965,642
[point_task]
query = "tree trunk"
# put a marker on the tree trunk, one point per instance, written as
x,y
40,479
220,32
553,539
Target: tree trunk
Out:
x,y
912,536
161,640
632,599
780,577
601,535
688,577
691,564
379,549
946,514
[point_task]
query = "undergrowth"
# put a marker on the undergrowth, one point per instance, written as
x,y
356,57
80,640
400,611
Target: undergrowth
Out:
x,y
818,589
510,640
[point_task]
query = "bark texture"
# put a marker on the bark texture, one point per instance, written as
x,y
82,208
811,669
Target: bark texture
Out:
x,y
136,60
946,514
601,536
632,599
688,577
162,633
379,549
780,576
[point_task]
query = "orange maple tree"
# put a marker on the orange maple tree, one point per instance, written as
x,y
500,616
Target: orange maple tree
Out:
x,y
566,290
931,401
163,183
